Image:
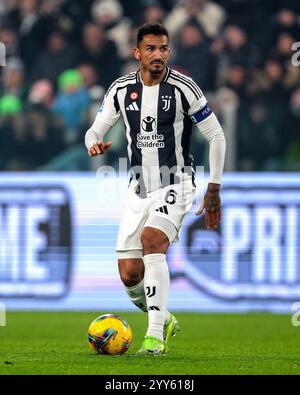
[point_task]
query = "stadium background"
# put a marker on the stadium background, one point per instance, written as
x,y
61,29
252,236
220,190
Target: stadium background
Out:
x,y
60,213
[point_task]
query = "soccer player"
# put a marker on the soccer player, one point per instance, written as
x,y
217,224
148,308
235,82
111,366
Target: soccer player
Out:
x,y
159,107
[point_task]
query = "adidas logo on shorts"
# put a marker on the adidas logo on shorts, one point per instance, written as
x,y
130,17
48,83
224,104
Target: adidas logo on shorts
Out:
x,y
163,209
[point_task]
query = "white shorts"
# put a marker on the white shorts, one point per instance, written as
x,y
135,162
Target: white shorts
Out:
x,y
163,209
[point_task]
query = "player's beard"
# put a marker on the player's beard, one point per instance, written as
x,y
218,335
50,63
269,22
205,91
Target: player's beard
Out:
x,y
157,71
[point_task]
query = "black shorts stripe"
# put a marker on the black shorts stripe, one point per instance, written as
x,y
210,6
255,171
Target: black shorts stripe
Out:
x,y
186,84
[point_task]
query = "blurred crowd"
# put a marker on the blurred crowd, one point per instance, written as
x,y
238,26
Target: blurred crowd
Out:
x,y
61,56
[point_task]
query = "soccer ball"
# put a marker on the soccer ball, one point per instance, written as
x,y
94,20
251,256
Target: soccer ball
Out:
x,y
109,334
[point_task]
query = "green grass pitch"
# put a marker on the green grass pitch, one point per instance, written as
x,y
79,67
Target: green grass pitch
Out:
x,y
56,343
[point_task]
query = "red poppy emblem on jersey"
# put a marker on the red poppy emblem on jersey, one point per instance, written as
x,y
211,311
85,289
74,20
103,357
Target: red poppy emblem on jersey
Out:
x,y
133,95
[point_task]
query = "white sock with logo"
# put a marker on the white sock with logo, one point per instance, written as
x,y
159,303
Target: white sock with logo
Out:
x,y
136,294
156,284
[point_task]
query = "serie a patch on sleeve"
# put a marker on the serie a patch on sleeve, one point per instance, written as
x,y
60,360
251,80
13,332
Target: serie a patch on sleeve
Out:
x,y
202,114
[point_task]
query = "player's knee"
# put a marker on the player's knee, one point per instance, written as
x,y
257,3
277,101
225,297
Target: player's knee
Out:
x,y
129,279
154,241
129,276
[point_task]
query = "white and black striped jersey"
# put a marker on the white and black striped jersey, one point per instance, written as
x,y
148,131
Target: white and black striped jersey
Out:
x,y
158,121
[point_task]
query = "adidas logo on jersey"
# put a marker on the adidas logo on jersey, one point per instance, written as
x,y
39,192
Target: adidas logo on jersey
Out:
x,y
132,107
163,209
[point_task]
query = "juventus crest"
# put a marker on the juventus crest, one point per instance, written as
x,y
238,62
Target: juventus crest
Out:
x,y
166,102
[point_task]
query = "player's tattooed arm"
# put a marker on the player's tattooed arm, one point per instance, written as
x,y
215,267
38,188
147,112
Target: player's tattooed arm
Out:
x,y
212,205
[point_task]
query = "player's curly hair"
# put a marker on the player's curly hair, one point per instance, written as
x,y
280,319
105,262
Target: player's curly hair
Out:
x,y
151,28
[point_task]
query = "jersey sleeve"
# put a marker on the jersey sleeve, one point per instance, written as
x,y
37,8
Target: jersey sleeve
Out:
x,y
199,110
106,117
109,112
207,123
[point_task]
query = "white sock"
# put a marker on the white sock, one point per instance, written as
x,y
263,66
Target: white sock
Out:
x,y
156,284
136,294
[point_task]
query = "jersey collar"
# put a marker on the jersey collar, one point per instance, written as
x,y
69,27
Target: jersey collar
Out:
x,y
139,79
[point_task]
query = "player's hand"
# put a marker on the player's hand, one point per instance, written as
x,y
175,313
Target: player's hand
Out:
x,y
212,205
99,148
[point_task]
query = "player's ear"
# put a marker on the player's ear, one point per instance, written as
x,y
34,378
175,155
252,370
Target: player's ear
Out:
x,y
136,54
